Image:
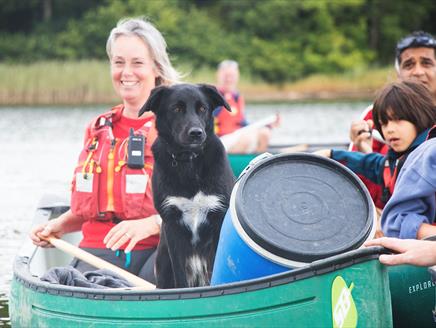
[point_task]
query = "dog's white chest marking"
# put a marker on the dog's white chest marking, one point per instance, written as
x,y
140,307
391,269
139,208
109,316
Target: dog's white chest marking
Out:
x,y
196,269
195,210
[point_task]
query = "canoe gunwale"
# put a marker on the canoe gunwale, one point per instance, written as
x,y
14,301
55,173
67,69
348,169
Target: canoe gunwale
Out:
x,y
23,276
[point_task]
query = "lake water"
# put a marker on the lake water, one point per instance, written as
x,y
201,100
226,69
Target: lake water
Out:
x,y
39,147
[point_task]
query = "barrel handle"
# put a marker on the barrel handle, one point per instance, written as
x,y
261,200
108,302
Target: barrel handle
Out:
x,y
253,162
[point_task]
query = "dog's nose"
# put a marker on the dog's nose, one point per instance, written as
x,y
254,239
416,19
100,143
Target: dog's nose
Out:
x,y
195,133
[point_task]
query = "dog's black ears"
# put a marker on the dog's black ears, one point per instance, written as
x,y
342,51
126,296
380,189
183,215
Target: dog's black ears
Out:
x,y
215,97
153,100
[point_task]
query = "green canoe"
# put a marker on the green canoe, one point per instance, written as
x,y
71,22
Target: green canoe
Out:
x,y
238,162
413,296
348,290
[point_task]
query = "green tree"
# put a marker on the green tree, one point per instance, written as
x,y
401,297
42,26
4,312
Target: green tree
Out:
x,y
275,40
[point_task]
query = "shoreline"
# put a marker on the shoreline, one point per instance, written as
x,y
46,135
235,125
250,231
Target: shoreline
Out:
x,y
88,83
293,96
251,93
7,100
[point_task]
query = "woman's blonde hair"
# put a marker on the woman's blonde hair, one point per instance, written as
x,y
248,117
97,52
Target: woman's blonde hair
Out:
x,y
155,42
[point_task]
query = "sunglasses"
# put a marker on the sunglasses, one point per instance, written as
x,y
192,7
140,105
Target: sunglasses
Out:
x,y
416,41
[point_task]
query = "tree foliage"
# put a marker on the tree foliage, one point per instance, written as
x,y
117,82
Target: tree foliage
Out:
x,y
275,40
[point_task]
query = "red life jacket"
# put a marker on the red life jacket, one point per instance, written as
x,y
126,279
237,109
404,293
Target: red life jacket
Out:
x,y
390,178
226,122
103,186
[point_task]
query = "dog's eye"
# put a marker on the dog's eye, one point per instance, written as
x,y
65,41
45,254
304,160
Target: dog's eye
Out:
x,y
202,109
177,109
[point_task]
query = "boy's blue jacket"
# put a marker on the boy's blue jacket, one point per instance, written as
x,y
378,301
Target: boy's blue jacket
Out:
x,y
413,201
372,165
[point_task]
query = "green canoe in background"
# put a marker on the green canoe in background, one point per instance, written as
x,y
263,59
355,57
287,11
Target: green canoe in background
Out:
x,y
238,162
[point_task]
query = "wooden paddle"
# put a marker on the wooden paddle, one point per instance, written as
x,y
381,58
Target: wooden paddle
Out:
x,y
97,262
294,149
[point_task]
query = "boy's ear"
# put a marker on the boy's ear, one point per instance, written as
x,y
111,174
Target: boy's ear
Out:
x,y
215,98
153,101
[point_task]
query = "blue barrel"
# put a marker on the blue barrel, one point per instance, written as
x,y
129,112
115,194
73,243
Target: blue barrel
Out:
x,y
289,210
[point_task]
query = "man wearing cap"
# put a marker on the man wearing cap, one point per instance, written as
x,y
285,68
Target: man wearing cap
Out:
x,y
415,59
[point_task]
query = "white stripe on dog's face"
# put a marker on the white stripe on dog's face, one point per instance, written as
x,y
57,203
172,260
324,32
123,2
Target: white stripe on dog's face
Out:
x,y
195,209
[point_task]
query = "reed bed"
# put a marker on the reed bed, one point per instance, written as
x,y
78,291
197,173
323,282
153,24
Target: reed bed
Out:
x,y
355,85
88,82
56,83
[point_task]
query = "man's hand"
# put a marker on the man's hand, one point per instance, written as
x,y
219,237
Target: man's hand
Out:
x,y
361,135
411,251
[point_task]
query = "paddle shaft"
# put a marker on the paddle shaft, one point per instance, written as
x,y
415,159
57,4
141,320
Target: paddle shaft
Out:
x,y
231,138
97,262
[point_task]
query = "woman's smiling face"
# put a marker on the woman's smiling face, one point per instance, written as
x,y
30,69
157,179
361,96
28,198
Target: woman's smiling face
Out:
x,y
132,69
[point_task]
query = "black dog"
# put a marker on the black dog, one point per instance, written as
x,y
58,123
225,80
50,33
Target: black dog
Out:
x,y
192,181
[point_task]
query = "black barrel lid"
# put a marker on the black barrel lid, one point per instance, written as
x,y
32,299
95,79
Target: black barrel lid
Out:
x,y
303,207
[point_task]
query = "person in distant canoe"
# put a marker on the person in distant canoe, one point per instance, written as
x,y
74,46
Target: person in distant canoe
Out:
x,y
404,113
415,59
111,200
226,122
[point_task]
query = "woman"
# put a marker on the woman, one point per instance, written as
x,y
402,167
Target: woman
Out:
x,y
111,196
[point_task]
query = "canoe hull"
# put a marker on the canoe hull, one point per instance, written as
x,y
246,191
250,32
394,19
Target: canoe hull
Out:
x,y
413,296
300,299
347,288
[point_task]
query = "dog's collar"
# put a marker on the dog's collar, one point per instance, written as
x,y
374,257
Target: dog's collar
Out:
x,y
183,156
